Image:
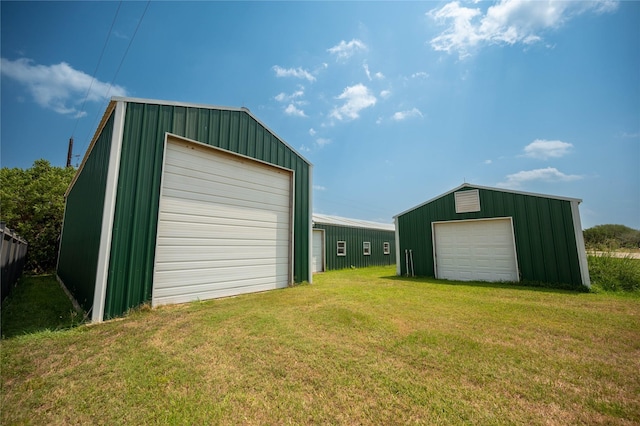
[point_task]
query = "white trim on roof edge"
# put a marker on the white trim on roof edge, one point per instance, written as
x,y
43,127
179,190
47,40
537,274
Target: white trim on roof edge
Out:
x,y
223,108
470,185
582,253
353,223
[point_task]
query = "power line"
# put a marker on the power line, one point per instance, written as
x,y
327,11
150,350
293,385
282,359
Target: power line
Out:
x,y
124,55
128,46
95,71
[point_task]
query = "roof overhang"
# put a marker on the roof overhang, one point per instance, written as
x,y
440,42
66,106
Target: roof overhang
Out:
x,y
351,223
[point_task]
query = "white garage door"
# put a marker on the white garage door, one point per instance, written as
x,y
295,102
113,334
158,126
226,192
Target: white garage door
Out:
x,y
317,260
223,226
475,250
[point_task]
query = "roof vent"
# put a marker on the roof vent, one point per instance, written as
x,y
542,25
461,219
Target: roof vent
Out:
x,y
467,201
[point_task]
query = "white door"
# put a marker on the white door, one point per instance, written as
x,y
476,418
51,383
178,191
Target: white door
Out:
x,y
475,250
317,260
223,225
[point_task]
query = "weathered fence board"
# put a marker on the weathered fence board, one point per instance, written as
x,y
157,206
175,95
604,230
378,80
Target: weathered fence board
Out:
x,y
13,253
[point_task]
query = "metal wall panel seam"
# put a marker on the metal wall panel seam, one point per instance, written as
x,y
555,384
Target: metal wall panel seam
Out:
x,y
100,290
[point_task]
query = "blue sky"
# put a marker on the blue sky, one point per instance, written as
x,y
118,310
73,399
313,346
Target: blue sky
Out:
x,y
393,102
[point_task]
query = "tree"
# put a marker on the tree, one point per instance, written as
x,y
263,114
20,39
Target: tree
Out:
x,y
32,204
611,237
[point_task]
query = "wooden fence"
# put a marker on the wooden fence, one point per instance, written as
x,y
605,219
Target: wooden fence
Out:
x,y
13,253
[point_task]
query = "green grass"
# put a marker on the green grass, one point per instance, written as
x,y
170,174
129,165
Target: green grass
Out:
x,y
37,303
356,347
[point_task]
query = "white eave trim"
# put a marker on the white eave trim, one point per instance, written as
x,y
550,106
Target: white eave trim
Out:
x,y
582,252
472,186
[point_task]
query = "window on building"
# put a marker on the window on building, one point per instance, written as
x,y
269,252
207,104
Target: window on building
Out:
x,y
385,248
366,248
342,248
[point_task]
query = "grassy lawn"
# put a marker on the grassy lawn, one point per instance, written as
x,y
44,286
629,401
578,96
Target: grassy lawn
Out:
x,y
356,347
37,303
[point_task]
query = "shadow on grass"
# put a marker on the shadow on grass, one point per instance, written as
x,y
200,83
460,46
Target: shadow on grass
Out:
x,y
523,285
37,303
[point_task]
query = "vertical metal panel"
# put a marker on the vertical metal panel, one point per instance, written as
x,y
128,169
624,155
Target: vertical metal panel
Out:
x,y
354,238
134,231
80,240
543,227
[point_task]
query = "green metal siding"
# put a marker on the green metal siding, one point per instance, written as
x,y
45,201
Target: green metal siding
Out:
x,y
543,228
354,238
134,232
80,240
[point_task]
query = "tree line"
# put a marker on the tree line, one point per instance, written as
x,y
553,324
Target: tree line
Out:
x,y
32,204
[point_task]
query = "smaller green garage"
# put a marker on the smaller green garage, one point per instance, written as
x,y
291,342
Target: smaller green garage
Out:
x,y
476,233
340,243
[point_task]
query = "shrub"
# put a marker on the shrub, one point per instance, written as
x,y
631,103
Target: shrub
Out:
x,y
611,273
32,204
611,237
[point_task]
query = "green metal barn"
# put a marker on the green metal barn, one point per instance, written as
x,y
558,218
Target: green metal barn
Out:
x,y
340,243
476,233
176,202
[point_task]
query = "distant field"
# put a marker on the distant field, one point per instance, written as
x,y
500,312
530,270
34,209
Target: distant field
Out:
x,y
356,347
632,254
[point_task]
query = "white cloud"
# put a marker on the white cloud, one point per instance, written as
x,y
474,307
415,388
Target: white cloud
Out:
x,y
357,98
420,74
549,174
403,115
293,72
58,87
630,135
344,50
322,142
319,188
544,149
488,161
304,148
292,110
385,94
377,76
283,97
506,22
312,132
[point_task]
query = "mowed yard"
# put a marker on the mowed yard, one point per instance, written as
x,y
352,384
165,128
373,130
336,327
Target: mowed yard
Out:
x,y
356,347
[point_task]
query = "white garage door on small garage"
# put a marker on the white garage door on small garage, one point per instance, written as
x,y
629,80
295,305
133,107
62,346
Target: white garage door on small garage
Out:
x,y
317,259
475,250
224,226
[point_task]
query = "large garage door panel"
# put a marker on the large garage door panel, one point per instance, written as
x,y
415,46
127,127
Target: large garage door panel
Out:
x,y
475,250
178,206
223,228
